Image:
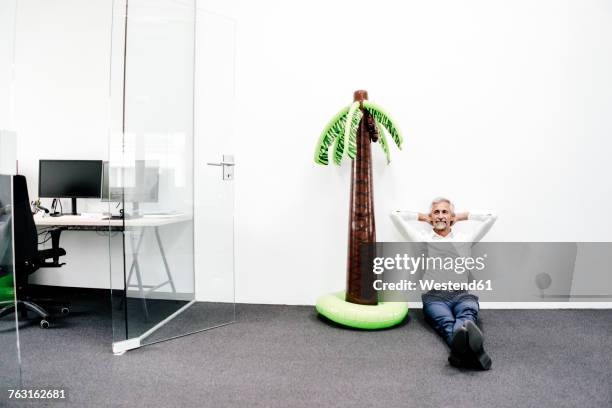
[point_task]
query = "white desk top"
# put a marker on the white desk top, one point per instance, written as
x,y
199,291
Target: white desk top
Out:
x,y
80,221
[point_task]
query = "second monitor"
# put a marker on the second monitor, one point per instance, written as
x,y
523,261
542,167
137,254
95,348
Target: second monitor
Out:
x,y
137,183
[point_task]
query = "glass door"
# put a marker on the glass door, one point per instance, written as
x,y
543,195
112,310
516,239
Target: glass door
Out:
x,y
161,286
216,167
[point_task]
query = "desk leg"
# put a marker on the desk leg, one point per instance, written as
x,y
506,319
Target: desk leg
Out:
x,y
163,254
134,261
136,268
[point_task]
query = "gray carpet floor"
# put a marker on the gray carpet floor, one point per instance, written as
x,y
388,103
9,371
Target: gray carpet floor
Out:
x,y
286,356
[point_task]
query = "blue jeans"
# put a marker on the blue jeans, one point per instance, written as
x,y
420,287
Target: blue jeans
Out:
x,y
447,316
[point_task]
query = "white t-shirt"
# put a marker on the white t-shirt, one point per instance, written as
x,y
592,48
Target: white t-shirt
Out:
x,y
408,224
455,244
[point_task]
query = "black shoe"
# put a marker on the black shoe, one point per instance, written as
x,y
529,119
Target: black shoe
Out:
x,y
479,357
459,348
459,343
455,361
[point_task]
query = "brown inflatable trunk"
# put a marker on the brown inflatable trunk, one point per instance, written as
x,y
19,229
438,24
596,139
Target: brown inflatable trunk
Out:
x,y
362,230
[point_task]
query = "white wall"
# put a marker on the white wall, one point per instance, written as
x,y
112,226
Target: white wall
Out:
x,y
502,104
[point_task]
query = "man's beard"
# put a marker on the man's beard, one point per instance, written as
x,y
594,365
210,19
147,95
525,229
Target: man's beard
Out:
x,y
440,225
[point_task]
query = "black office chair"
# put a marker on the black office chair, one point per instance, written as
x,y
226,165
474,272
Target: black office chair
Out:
x,y
28,259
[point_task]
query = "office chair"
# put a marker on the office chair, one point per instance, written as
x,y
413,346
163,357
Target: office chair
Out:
x,y
28,259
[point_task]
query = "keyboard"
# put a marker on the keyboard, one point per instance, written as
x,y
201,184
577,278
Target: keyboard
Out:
x,y
113,217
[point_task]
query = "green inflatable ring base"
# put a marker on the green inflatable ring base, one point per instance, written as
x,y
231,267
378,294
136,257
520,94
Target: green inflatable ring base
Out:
x,y
384,315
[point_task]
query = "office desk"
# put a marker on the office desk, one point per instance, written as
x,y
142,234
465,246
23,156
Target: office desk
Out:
x,y
98,224
143,224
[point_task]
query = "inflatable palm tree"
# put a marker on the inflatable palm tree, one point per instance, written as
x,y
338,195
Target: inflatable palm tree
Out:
x,y
351,133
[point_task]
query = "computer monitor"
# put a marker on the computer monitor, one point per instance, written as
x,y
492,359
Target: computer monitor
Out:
x,y
70,179
136,184
108,193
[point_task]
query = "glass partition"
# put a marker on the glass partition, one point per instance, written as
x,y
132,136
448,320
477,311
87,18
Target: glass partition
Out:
x,y
150,178
10,369
10,362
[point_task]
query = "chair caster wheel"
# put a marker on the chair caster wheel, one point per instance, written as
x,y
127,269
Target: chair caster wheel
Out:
x,y
64,311
44,324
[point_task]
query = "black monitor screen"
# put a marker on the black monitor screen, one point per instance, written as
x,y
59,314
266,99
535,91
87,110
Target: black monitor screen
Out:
x,y
70,178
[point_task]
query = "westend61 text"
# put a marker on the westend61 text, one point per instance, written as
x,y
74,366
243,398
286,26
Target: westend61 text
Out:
x,y
426,285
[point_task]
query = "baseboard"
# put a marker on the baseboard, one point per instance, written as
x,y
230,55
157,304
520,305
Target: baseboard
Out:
x,y
533,305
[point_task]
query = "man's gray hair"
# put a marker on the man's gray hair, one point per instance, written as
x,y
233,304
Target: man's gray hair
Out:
x,y
442,200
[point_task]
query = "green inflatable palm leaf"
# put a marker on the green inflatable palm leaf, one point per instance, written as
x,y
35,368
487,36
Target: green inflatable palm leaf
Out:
x,y
334,128
340,133
350,129
339,149
383,141
384,119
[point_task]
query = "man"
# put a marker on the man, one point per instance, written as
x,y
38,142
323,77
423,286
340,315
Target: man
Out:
x,y
452,314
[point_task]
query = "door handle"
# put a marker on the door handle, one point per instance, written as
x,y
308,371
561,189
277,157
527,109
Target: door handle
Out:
x,y
221,164
227,166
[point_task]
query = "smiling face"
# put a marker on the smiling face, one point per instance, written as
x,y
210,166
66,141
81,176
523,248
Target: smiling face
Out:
x,y
441,215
